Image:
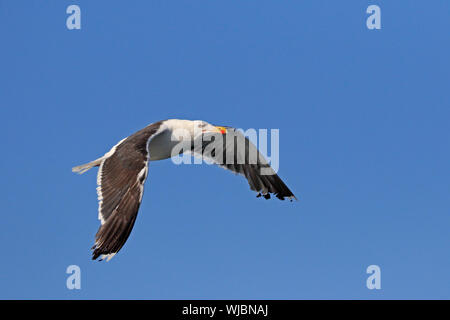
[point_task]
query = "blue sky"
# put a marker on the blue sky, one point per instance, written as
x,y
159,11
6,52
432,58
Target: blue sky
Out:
x,y
364,143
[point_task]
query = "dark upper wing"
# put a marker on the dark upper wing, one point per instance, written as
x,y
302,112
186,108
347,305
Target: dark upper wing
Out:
x,y
120,180
234,152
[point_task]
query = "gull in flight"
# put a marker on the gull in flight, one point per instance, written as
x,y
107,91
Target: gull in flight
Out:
x,y
123,171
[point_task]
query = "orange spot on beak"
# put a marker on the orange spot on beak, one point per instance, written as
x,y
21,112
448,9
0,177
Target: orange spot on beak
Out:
x,y
222,130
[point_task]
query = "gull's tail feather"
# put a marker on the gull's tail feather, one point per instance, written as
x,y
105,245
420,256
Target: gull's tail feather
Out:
x,y
85,167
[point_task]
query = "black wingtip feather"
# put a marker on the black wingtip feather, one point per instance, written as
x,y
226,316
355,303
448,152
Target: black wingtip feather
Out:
x,y
112,235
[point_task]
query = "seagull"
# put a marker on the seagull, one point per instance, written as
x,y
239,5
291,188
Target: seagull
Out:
x,y
123,170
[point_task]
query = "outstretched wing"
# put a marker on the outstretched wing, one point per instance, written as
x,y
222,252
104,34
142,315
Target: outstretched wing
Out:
x,y
120,180
234,152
